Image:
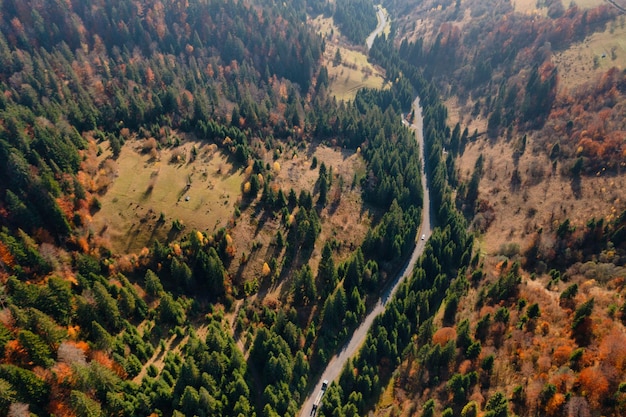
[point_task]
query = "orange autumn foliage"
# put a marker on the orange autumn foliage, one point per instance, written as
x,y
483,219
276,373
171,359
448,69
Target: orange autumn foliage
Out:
x,y
42,373
231,251
104,360
83,244
69,276
5,256
612,349
444,335
563,381
80,345
60,409
555,404
149,76
66,206
593,385
465,367
562,354
14,353
6,319
63,373
73,331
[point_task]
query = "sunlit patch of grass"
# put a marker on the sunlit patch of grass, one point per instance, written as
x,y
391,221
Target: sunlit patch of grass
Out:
x,y
148,195
353,71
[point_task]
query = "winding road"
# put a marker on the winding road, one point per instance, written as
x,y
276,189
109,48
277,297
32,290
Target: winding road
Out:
x,y
382,21
337,362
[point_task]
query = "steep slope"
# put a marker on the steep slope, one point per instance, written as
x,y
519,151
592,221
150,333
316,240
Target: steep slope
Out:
x,y
537,161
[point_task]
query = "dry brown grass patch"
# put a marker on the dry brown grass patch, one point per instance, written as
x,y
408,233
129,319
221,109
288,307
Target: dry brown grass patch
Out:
x,y
541,202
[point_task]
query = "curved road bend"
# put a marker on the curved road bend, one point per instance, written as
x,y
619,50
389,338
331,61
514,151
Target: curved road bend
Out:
x,y
382,21
337,362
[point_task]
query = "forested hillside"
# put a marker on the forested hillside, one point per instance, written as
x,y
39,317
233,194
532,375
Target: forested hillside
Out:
x,y
180,327
310,207
355,19
92,73
81,334
533,147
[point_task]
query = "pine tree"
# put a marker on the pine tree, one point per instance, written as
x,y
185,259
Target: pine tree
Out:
x,y
327,273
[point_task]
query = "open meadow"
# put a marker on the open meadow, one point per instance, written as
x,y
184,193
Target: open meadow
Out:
x,y
164,194
148,194
350,70
585,61
544,199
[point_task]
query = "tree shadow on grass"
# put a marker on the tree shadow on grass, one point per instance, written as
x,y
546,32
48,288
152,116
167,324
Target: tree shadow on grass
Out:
x,y
174,233
262,217
576,187
147,193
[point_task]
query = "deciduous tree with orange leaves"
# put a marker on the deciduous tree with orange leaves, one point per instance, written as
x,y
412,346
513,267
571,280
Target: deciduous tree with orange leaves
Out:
x,y
593,385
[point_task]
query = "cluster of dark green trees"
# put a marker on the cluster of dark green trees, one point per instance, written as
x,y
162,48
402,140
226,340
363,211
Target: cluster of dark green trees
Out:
x,y
355,18
106,315
447,252
393,184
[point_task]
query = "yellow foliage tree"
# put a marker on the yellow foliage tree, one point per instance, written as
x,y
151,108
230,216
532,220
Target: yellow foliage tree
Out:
x,y
266,269
276,167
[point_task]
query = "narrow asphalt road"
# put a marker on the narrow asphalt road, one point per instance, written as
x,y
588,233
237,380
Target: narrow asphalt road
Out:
x,y
382,21
337,362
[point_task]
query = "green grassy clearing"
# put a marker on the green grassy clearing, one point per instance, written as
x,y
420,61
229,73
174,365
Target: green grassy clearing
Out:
x,y
354,71
530,6
584,61
201,194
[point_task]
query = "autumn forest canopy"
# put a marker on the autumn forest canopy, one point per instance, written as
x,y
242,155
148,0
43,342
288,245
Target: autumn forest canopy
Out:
x,y
314,207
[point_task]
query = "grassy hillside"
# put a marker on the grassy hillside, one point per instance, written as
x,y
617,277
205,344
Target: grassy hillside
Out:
x,y
347,64
193,183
